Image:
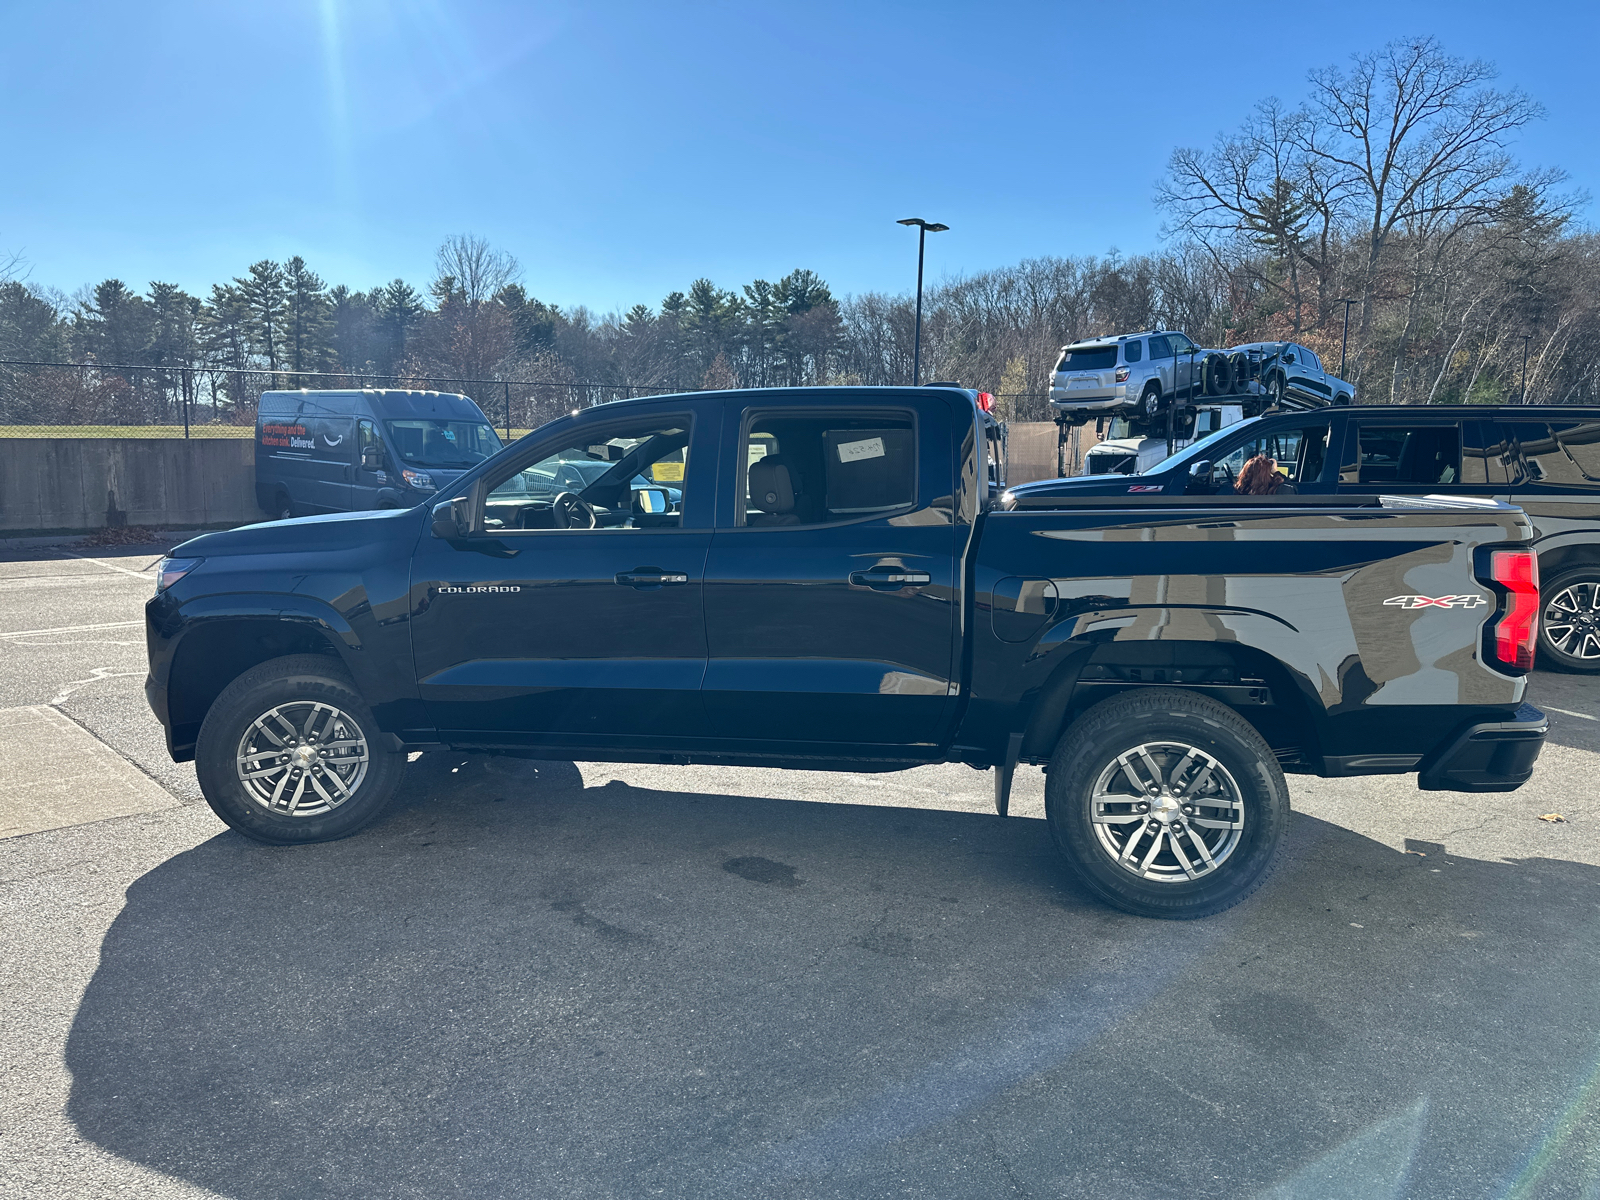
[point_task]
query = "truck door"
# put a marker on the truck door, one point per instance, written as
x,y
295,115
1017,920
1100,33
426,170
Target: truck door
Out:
x,y
830,586
542,629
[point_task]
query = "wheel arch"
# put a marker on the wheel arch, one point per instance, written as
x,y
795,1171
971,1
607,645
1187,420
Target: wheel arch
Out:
x,y
217,651
1260,688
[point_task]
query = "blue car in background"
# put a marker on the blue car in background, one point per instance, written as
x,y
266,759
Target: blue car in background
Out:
x,y
350,450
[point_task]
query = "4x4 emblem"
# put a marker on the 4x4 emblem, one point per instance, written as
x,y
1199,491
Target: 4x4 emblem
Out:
x,y
1436,601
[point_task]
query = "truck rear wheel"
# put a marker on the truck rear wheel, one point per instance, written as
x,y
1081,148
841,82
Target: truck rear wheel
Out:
x,y
290,753
1168,803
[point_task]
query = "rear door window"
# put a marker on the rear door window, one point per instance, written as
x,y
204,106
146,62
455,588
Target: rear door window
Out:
x,y
1581,441
807,468
1405,455
1160,347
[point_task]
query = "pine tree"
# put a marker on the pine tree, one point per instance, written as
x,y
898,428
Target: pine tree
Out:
x,y
306,320
265,298
400,309
113,324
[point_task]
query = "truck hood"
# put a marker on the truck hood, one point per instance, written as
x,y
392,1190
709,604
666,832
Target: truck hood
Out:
x,y
332,531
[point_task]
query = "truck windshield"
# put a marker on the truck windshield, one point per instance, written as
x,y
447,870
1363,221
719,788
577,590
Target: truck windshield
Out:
x,y
430,443
1201,449
1088,358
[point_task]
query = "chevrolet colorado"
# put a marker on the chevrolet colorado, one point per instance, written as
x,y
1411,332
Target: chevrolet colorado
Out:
x,y
831,583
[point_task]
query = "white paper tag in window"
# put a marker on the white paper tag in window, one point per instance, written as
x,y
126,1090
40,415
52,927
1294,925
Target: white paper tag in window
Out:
x,y
856,451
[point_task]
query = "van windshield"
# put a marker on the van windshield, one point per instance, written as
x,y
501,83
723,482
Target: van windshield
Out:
x,y
430,443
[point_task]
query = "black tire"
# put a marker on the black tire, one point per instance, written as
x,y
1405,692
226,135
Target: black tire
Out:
x,y
1274,390
1240,364
1341,399
1150,400
1218,375
1569,621
282,507
1242,777
299,684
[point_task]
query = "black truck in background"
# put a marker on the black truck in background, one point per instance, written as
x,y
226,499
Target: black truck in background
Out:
x,y
828,583
1545,459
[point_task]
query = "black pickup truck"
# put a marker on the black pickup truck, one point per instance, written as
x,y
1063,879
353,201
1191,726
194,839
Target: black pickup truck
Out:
x,y
823,579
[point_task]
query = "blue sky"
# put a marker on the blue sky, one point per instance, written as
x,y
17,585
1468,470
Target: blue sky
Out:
x,y
620,150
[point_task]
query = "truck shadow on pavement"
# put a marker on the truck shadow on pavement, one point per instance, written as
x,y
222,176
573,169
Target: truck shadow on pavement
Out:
x,y
518,986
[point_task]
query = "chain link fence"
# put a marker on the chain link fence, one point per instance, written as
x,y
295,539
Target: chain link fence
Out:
x,y
86,400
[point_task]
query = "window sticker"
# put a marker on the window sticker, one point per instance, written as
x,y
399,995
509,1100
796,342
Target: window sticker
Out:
x,y
667,472
857,451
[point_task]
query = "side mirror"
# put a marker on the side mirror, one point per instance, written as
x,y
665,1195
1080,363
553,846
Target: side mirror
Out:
x,y
1288,358
372,459
1203,467
452,518
651,500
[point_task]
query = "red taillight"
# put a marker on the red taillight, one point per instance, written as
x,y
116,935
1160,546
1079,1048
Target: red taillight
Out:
x,y
986,401
1518,572
1122,374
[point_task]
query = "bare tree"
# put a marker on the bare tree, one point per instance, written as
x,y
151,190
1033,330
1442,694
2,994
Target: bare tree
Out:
x,y
1412,133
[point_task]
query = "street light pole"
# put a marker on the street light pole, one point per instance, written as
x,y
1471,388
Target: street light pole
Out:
x,y
1344,343
924,228
1526,338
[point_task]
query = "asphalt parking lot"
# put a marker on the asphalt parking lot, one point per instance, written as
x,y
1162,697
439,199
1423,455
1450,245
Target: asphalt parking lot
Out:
x,y
557,979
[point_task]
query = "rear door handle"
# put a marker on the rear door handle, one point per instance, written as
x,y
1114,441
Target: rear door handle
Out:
x,y
643,577
889,577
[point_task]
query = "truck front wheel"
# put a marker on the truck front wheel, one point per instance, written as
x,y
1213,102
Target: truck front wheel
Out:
x,y
1167,803
290,753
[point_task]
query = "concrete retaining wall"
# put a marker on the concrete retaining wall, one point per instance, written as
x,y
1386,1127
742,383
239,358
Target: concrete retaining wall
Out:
x,y
78,485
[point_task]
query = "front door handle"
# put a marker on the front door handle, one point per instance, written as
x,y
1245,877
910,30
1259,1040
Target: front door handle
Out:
x,y
645,577
889,578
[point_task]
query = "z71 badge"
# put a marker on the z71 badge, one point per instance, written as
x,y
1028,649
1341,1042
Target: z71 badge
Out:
x,y
1436,601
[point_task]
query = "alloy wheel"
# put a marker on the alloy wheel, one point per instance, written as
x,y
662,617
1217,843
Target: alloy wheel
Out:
x,y
1572,620
302,759
1167,812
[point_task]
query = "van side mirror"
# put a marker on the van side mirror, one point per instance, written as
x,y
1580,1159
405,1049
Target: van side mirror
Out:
x,y
452,518
372,459
1198,469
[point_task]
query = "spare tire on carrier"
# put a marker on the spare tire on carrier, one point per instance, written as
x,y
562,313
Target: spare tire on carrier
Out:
x,y
1240,362
1218,375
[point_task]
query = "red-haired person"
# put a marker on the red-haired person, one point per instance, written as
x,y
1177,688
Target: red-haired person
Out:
x,y
1260,477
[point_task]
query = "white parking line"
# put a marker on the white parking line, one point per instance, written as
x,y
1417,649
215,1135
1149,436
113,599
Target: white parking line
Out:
x,y
106,565
71,629
1567,712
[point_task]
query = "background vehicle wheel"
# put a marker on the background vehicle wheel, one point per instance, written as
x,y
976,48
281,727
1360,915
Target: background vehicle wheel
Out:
x,y
1168,803
282,507
1274,390
1341,398
1569,621
1150,401
1218,375
290,753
